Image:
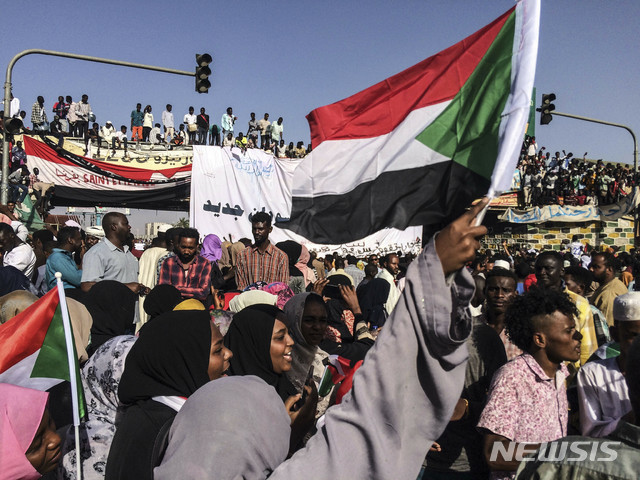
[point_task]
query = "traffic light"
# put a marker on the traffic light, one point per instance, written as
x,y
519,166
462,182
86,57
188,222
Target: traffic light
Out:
x,y
14,125
202,72
546,108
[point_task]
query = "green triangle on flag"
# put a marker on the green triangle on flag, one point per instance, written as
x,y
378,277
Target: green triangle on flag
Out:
x,y
467,130
52,360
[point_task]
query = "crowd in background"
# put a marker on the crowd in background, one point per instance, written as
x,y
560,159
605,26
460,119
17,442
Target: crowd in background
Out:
x,y
548,349
561,178
77,120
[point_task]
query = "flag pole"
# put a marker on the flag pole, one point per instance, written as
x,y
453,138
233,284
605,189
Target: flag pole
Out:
x,y
73,379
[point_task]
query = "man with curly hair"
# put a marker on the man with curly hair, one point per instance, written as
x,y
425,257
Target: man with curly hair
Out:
x,y
549,270
527,399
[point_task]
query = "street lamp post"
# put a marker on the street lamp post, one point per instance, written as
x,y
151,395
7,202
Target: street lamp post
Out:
x,y
4,189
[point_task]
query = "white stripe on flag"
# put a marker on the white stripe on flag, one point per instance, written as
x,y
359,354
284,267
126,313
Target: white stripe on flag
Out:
x,y
20,374
516,110
338,166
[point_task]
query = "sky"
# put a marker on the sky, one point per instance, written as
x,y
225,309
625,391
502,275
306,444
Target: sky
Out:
x,y
289,57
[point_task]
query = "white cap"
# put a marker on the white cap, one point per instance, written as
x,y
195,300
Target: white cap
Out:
x,y
626,308
72,223
164,227
502,264
108,122
95,231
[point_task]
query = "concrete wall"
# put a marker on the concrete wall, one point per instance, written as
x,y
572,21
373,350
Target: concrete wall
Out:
x,y
557,235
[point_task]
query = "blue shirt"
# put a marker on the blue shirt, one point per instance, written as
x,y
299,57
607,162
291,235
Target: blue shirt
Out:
x,y
62,261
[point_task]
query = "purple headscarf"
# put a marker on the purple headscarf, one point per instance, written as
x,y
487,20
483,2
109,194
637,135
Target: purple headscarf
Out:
x,y
211,248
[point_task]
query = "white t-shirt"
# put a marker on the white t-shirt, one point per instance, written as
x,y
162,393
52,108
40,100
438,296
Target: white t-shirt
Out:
x,y
22,258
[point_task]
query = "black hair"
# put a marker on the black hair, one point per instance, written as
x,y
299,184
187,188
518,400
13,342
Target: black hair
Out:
x,y
43,235
65,233
261,217
523,270
370,270
520,317
553,254
580,275
49,245
609,260
6,229
189,233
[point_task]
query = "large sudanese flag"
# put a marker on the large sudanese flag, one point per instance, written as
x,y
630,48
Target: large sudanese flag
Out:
x,y
34,350
418,147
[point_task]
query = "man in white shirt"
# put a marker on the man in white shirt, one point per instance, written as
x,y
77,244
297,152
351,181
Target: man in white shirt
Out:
x,y
227,121
190,122
120,138
602,389
391,264
108,132
167,122
276,131
263,124
15,252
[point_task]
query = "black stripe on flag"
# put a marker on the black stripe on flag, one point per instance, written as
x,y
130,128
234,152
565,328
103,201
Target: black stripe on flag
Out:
x,y
427,195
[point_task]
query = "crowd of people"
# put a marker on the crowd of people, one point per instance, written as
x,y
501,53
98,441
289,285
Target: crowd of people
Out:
x,y
76,119
211,359
547,179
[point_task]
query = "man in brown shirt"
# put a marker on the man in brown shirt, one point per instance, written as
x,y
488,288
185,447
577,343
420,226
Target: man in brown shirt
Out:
x,y
261,261
604,272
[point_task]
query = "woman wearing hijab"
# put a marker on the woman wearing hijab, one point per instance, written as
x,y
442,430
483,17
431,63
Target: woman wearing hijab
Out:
x,y
176,354
161,299
112,308
417,365
29,446
212,251
348,334
296,277
303,266
307,320
262,346
252,297
100,379
372,297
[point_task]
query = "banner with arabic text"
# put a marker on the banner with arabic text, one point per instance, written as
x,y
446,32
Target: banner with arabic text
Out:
x,y
586,213
228,186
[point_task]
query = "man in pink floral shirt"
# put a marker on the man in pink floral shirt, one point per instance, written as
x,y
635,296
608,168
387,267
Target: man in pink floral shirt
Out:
x,y
527,400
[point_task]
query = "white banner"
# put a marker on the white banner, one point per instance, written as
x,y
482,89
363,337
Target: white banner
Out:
x,y
229,186
586,213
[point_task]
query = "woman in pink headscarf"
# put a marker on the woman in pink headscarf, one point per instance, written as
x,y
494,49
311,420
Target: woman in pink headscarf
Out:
x,y
29,444
302,265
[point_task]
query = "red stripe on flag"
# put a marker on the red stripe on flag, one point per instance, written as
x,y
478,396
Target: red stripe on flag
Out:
x,y
43,151
379,109
24,334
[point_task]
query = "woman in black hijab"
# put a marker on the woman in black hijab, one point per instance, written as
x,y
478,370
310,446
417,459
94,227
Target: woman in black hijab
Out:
x,y
262,346
296,277
347,334
176,354
161,299
112,308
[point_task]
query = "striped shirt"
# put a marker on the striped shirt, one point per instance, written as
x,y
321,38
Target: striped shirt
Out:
x,y
254,266
193,282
